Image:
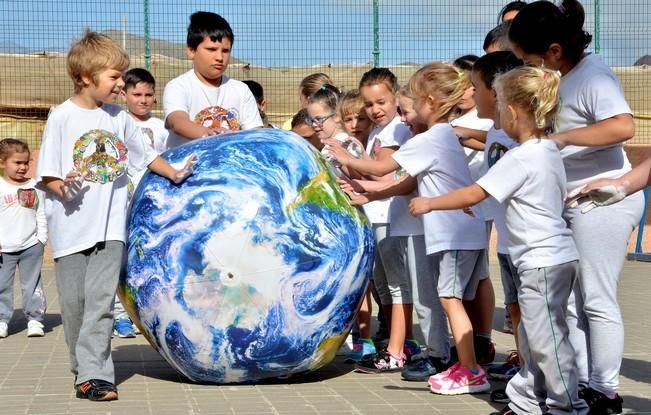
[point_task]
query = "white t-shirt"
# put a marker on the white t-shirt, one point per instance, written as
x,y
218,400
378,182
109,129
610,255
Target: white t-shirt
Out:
x,y
154,129
387,136
92,141
437,160
590,93
188,94
530,181
475,158
497,144
22,216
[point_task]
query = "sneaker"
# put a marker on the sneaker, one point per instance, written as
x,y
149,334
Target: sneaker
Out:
x,y
500,396
508,369
600,404
97,390
458,380
411,349
4,329
123,327
421,369
382,362
35,329
484,351
361,349
505,411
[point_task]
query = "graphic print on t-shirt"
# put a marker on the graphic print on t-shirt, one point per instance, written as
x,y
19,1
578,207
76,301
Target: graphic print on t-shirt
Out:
x,y
100,155
218,117
149,133
27,198
495,153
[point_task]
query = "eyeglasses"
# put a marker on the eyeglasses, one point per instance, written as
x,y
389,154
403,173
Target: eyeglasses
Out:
x,y
319,119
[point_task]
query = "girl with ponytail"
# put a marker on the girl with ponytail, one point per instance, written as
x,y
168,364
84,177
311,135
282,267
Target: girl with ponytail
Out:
x,y
593,123
529,180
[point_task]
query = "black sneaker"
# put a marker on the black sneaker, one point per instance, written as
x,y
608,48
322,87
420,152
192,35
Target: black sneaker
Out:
x,y
421,369
505,411
97,390
484,351
500,396
600,404
382,362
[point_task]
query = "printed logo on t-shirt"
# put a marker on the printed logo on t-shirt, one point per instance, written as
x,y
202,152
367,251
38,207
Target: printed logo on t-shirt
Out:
x,y
495,153
27,198
218,117
100,155
149,133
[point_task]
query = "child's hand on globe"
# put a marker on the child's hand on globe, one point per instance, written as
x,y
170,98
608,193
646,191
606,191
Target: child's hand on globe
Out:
x,y
187,170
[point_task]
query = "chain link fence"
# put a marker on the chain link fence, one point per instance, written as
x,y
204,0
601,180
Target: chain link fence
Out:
x,y
279,42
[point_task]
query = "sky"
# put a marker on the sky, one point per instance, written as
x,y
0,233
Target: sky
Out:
x,y
300,33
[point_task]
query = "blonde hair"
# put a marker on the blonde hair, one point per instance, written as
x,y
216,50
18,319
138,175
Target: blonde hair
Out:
x,y
350,103
311,83
444,82
92,54
532,89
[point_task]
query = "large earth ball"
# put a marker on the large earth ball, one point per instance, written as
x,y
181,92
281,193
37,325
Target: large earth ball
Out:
x,y
253,267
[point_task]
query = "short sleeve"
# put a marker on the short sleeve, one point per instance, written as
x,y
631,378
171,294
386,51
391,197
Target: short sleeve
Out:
x,y
140,153
176,97
416,156
504,178
249,113
603,97
49,159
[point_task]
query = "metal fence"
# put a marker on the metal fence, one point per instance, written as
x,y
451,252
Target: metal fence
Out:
x,y
279,42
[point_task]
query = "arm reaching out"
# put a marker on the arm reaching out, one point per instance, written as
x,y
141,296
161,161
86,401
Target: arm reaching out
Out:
x,y
604,192
459,199
163,168
372,167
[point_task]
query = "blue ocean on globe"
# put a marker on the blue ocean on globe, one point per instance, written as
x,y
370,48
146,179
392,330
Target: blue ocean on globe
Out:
x,y
253,267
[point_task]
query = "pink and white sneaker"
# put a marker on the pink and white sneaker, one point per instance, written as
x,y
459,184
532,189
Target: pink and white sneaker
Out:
x,y
458,380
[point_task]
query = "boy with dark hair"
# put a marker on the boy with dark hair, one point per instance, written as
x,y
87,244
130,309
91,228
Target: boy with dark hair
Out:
x,y
203,101
258,93
498,38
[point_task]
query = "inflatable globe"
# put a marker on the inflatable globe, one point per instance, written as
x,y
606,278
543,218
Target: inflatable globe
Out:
x,y
252,268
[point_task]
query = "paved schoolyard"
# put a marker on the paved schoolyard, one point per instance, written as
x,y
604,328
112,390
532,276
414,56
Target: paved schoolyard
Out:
x,y
34,375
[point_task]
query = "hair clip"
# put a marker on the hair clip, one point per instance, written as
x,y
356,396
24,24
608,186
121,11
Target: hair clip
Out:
x,y
323,87
460,74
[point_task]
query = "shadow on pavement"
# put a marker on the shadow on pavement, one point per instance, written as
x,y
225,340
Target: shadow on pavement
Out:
x,y
142,359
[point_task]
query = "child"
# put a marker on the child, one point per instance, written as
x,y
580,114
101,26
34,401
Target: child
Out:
x,y
302,127
88,138
530,180
355,121
324,119
23,233
471,128
308,86
498,38
593,123
139,95
203,101
456,241
498,143
432,320
258,93
402,251
510,10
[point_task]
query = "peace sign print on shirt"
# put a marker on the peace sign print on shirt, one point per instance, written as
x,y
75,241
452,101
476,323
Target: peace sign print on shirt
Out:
x,y
100,155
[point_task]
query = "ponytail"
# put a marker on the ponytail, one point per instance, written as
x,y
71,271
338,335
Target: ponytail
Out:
x,y
542,23
532,89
